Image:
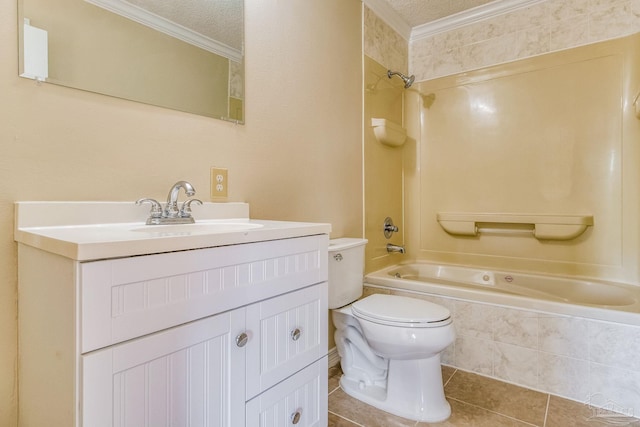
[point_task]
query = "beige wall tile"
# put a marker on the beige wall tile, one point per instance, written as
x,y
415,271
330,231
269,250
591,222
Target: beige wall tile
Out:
x,y
614,387
518,327
474,320
474,354
563,376
614,345
565,336
543,27
516,364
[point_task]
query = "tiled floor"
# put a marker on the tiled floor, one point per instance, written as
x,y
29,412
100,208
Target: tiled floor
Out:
x,y
476,401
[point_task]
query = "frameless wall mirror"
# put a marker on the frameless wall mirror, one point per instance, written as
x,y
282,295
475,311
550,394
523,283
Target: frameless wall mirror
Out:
x,y
185,55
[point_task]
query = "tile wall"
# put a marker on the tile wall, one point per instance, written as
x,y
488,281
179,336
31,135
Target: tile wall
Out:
x,y
583,360
541,28
383,44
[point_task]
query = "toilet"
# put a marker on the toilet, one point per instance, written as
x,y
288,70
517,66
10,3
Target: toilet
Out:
x,y
389,345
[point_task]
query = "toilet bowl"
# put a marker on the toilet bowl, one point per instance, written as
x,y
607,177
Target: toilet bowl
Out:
x,y
389,345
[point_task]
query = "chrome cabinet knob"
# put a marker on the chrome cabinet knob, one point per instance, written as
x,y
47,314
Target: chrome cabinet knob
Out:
x,y
242,339
295,334
295,417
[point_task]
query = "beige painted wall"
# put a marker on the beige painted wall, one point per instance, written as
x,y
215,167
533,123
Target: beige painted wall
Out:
x,y
298,158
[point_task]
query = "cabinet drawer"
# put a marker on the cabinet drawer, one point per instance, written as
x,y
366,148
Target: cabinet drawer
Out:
x,y
298,401
290,332
127,298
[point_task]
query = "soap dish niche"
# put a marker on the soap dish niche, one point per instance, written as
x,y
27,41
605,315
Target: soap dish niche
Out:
x,y
388,132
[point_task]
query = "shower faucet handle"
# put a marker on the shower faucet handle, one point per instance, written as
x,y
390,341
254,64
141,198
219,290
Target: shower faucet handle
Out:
x,y
389,228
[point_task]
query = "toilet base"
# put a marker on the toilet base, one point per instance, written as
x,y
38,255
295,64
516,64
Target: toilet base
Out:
x,y
414,390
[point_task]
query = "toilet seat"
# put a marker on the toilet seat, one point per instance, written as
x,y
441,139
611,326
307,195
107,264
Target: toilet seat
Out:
x,y
394,310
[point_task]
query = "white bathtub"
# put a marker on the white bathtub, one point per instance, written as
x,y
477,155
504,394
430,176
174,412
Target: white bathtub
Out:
x,y
590,299
577,339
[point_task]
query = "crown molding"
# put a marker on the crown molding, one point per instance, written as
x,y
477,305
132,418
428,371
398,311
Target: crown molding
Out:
x,y
390,16
469,17
146,18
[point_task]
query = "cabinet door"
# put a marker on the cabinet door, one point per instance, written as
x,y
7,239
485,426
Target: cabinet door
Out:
x,y
299,401
191,375
290,333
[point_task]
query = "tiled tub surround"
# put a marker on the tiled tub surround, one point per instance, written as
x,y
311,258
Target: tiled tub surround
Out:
x,y
543,27
589,361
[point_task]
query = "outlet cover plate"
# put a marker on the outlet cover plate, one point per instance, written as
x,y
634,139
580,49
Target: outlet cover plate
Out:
x,y
219,183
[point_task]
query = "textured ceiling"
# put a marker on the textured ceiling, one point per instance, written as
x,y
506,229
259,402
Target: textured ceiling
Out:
x,y
418,12
220,20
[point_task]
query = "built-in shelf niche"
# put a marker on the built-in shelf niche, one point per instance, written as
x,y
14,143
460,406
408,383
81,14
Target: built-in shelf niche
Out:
x,y
540,226
388,132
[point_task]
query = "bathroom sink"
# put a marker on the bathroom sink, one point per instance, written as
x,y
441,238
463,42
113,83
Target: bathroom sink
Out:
x,y
203,227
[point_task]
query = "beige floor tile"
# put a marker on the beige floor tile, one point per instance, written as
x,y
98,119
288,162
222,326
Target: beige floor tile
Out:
x,y
337,421
497,396
334,377
567,413
447,373
361,413
464,415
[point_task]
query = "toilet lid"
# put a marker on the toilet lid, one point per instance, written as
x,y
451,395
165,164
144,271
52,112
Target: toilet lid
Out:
x,y
394,309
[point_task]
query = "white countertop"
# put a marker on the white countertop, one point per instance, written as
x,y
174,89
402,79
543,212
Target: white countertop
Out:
x,y
87,231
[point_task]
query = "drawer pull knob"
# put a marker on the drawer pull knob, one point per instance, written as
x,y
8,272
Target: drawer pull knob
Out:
x,y
295,418
295,334
242,339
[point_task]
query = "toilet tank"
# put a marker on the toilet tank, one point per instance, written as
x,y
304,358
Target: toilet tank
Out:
x,y
346,270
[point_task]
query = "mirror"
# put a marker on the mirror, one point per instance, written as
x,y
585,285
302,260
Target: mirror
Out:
x,y
186,55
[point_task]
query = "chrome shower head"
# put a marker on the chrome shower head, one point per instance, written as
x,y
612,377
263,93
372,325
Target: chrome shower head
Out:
x,y
408,81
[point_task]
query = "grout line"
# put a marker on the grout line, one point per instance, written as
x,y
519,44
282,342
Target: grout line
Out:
x,y
546,411
450,376
493,412
333,390
345,418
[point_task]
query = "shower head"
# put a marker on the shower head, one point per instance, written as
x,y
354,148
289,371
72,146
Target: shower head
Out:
x,y
408,81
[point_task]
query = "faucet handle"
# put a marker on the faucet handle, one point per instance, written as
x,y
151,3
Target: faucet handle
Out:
x,y
156,207
185,210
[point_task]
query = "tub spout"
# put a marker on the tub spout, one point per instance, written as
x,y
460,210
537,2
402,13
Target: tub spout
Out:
x,y
395,248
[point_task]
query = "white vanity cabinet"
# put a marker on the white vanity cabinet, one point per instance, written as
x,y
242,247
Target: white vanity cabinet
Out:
x,y
224,336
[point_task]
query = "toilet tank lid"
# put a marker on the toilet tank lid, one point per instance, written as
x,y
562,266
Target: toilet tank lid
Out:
x,y
343,243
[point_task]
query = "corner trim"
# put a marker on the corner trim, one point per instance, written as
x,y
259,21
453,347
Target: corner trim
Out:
x,y
469,17
448,23
168,27
390,16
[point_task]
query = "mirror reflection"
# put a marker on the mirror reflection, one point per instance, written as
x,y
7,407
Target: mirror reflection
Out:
x,y
185,55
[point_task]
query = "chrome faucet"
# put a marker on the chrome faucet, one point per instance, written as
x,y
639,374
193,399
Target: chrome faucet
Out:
x,y
171,208
395,248
171,214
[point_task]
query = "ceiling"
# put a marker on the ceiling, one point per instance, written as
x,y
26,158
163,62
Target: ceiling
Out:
x,y
418,12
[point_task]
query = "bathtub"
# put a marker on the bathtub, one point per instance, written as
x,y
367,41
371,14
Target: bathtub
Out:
x,y
590,299
574,338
